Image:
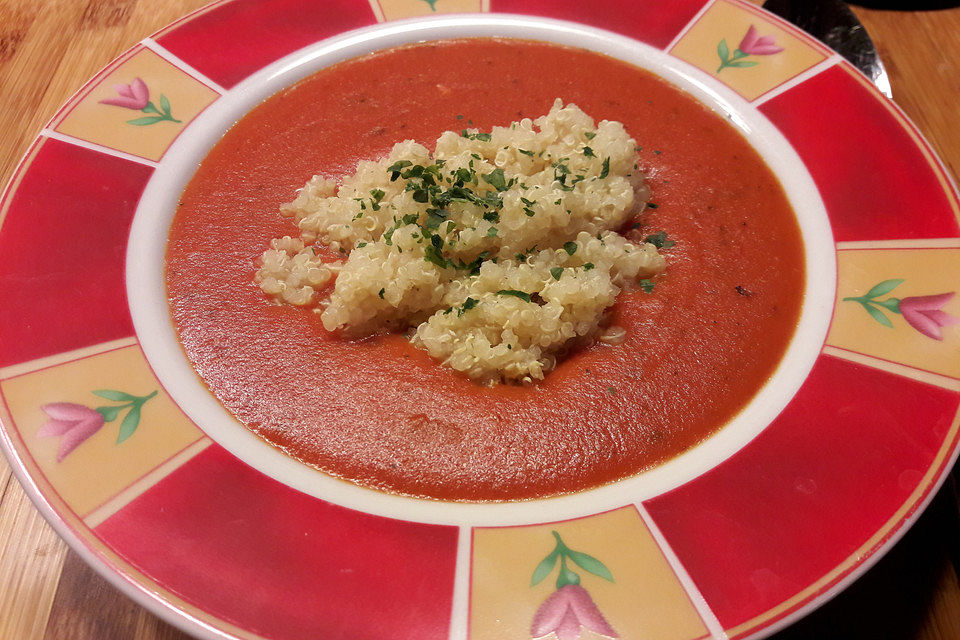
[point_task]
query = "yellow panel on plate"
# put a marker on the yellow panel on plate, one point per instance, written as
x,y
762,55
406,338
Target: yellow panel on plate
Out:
x,y
894,304
770,55
156,100
97,468
398,9
643,600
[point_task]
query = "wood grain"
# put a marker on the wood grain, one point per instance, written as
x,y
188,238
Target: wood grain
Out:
x,y
48,48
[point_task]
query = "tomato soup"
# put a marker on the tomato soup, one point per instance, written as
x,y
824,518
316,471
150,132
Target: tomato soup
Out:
x,y
383,414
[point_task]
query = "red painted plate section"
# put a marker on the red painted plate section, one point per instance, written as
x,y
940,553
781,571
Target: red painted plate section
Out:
x,y
282,564
874,179
655,23
233,40
834,467
62,252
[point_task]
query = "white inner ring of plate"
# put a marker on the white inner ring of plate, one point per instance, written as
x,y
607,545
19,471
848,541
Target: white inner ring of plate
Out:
x,y
151,316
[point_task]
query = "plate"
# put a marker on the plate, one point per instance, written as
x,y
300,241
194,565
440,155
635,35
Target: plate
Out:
x,y
141,471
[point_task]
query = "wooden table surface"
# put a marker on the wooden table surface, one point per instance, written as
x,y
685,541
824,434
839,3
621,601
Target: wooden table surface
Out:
x,y
49,48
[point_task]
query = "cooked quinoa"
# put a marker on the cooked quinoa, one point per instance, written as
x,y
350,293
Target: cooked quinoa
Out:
x,y
496,250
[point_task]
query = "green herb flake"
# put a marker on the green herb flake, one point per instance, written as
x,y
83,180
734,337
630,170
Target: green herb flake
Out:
x,y
525,152
491,216
647,285
468,304
491,232
381,292
459,117
587,266
432,254
660,240
587,151
570,248
361,245
516,294
530,213
612,391
496,179
656,151
652,205
556,272
605,171
589,135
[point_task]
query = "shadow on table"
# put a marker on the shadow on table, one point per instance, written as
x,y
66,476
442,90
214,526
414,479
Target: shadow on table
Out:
x,y
897,598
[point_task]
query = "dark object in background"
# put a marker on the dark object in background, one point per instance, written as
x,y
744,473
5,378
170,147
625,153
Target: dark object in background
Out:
x,y
832,22
914,5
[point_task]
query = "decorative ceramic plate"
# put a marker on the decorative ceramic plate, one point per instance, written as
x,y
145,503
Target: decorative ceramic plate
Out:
x,y
143,472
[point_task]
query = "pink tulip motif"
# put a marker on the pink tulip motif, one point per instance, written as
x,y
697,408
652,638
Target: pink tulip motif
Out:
x,y
136,96
923,313
75,423
752,45
570,609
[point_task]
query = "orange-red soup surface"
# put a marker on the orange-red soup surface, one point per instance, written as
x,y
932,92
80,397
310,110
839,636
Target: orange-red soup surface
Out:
x,y
382,413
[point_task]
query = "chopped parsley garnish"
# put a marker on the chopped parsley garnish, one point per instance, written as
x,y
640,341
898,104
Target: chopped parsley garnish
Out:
x,y
468,304
433,255
496,179
556,272
589,135
516,294
587,151
606,168
377,197
459,117
482,137
525,152
530,212
647,285
660,240
381,292
652,205
361,245
587,266
491,232
396,168
570,247
435,218
491,216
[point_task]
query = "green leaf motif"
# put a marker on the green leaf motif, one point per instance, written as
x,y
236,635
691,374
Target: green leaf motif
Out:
x,y
117,396
109,413
723,51
140,122
890,304
743,63
544,568
567,577
591,564
150,108
129,424
883,288
877,315
164,103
